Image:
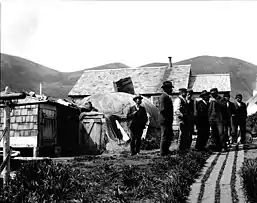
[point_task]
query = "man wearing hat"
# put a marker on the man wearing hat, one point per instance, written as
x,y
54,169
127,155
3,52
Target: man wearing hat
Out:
x,y
191,113
202,122
182,117
228,113
138,119
239,119
216,116
166,110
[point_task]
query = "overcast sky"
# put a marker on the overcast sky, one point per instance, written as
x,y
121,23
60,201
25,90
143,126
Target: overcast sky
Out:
x,y
75,35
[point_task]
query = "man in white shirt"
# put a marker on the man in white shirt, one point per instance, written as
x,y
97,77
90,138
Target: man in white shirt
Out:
x,y
182,117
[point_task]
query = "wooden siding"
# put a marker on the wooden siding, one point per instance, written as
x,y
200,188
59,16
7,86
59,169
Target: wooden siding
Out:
x,y
24,121
23,126
47,125
92,132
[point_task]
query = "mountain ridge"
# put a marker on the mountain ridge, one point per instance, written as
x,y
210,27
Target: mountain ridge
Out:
x,y
22,74
242,73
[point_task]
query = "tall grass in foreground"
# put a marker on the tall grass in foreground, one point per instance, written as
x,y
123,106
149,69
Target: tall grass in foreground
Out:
x,y
248,172
162,179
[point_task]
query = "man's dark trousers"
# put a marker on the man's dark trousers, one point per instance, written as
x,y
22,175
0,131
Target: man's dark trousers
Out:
x,y
184,137
203,126
240,120
242,126
218,134
135,144
203,133
166,138
227,130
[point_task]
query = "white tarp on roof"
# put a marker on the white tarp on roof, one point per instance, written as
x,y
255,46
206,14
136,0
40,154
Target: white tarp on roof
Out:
x,y
118,103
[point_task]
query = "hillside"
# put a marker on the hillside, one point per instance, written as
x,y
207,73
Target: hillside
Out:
x,y
243,74
21,74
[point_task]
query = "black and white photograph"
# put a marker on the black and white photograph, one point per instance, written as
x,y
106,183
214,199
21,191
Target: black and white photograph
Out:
x,y
128,101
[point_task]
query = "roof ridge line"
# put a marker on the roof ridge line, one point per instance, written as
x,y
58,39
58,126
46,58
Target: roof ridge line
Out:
x,y
122,68
204,74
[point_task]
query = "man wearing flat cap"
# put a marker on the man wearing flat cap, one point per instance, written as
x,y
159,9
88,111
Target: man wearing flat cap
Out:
x,y
229,112
182,117
166,111
216,117
239,120
138,119
203,126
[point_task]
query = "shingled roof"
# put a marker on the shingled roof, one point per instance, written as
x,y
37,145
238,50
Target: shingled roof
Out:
x,y
179,75
207,81
146,80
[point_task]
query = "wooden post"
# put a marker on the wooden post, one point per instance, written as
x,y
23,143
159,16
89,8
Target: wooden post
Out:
x,y
6,145
7,98
35,151
40,89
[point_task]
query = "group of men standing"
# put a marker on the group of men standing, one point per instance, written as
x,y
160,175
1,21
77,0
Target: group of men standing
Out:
x,y
211,112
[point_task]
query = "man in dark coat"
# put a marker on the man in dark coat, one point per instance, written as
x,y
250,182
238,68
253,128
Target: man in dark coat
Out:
x,y
216,116
203,126
182,117
229,112
239,119
191,113
138,118
166,110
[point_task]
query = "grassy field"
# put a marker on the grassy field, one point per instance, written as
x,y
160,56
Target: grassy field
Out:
x,y
107,178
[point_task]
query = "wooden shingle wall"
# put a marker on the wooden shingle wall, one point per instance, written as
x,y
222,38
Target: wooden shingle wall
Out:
x,y
24,121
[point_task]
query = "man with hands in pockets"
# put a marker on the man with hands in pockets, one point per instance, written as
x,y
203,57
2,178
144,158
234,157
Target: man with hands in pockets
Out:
x,y
138,119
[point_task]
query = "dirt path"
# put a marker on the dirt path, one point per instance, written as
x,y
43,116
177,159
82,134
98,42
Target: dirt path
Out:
x,y
220,181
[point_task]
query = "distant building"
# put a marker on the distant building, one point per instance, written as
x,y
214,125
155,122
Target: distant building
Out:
x,y
201,82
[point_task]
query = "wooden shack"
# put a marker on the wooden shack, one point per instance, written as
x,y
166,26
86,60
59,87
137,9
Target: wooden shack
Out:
x,y
41,127
92,133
